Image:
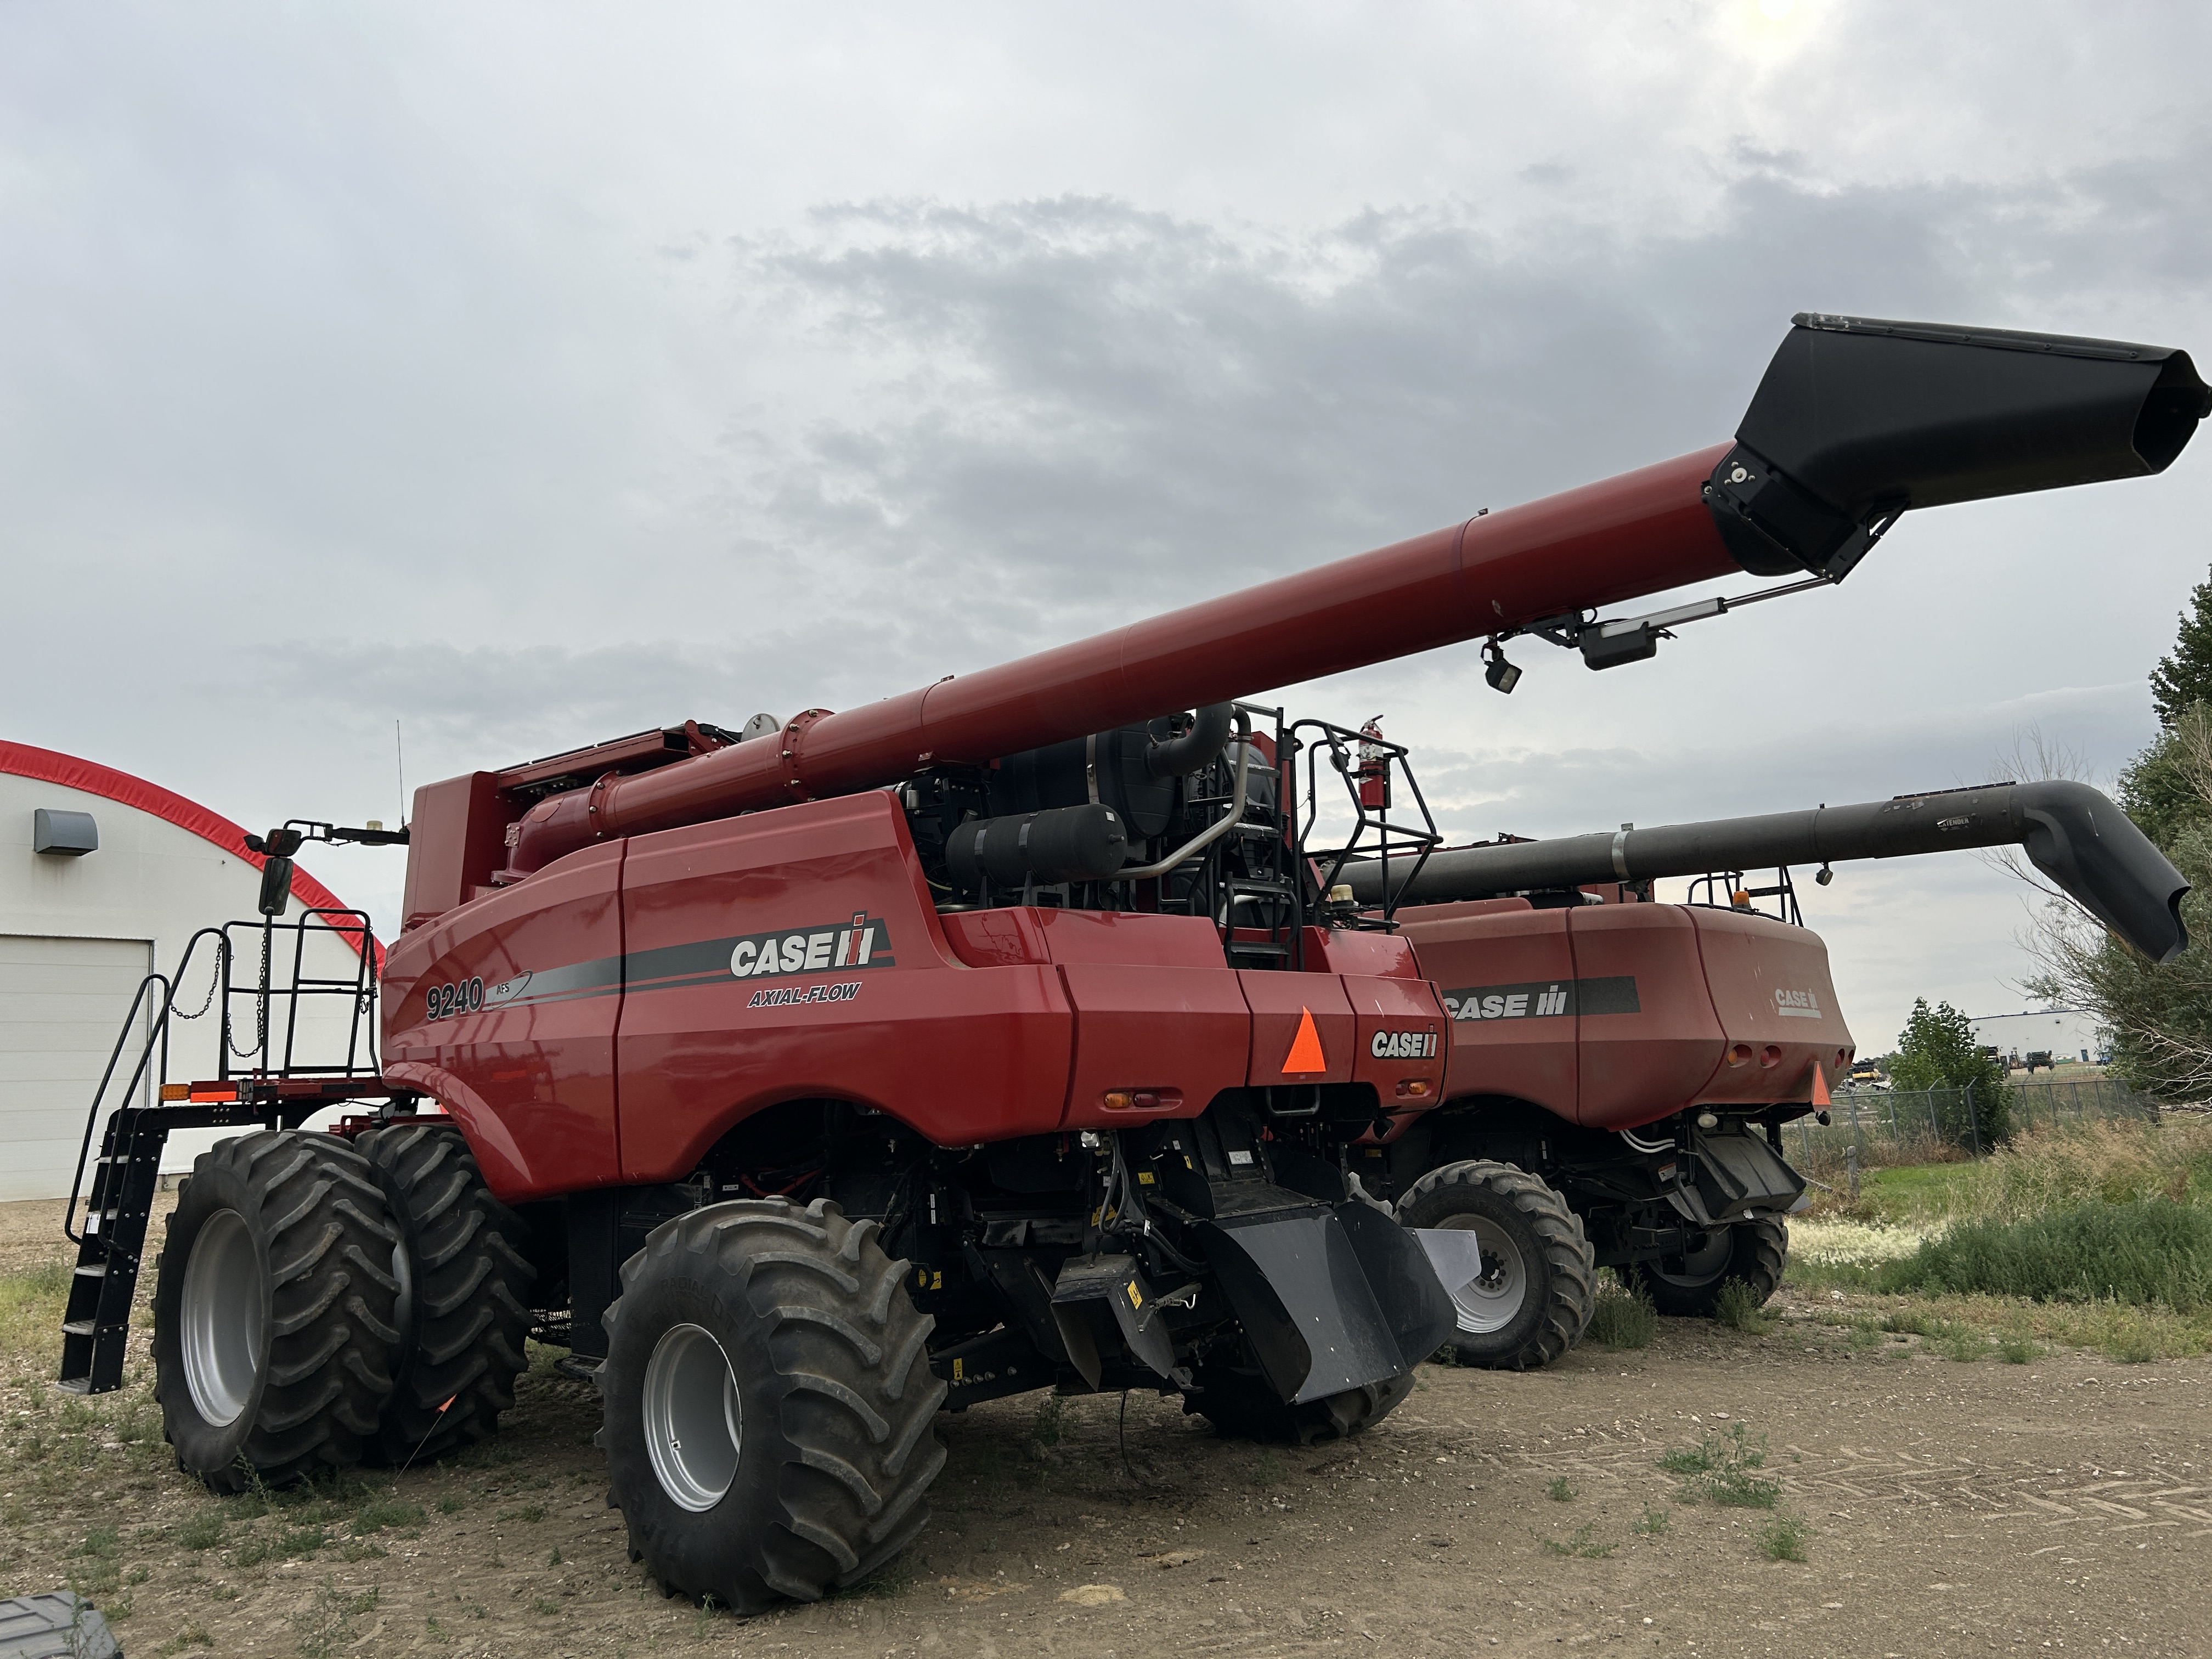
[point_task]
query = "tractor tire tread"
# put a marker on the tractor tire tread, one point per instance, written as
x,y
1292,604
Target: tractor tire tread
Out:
x,y
1760,1256
1570,1263
456,1367
849,1391
327,1369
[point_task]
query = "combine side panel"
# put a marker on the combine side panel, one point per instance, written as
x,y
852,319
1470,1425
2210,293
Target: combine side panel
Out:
x,y
1502,967
506,1010
1159,1016
1648,1037
1303,1028
1771,987
796,954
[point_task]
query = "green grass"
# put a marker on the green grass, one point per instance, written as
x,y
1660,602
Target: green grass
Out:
x,y
1722,1467
381,1512
1785,1538
1655,1522
2153,1252
1741,1308
202,1531
1622,1318
1559,1492
1580,1542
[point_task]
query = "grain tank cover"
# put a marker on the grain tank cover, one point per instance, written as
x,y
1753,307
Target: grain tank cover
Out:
x,y
1858,420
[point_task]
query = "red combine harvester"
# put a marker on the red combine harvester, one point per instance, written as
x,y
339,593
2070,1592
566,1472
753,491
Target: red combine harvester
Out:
x,y
1004,1034
1620,1069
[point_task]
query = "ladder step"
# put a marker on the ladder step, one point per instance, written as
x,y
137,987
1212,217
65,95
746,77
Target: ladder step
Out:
x,y
79,1326
75,1384
94,1270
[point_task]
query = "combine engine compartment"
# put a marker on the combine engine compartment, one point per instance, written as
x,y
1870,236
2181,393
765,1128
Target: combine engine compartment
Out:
x,y
1106,1125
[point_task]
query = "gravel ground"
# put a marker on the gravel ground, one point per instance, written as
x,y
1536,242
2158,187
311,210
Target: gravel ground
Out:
x,y
1941,1507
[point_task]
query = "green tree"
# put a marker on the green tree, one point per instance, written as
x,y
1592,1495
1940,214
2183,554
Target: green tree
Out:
x,y
1936,1050
2183,675
2161,1017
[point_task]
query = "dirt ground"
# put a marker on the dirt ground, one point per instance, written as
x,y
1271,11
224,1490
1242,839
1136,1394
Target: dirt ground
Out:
x,y
2063,1505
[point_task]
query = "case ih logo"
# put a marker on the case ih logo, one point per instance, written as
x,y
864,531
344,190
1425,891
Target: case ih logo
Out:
x,y
1543,1001
864,942
1403,1045
1797,1004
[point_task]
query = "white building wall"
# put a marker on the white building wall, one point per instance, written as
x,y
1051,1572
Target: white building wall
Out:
x,y
150,881
2066,1036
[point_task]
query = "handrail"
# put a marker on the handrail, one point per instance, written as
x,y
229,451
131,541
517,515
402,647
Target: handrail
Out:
x,y
156,1033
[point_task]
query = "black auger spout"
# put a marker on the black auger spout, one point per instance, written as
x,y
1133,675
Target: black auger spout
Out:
x,y
2074,834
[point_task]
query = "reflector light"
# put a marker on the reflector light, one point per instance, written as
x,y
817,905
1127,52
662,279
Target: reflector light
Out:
x,y
1140,1100
1305,1055
176,1091
213,1094
1412,1088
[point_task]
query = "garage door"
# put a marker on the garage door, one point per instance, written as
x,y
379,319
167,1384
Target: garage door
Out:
x,y
62,1002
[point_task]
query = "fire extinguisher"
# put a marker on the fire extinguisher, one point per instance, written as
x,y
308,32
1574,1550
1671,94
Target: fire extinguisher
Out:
x,y
1374,772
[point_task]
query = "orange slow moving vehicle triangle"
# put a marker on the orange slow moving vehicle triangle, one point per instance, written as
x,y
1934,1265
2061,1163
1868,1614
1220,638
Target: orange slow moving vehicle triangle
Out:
x,y
1305,1054
1819,1086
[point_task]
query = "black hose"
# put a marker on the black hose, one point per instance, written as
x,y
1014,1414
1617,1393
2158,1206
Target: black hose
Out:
x,y
2073,833
1178,757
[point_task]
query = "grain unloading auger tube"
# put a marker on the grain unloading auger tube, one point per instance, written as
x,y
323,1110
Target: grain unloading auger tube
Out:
x,y
2081,841
1855,423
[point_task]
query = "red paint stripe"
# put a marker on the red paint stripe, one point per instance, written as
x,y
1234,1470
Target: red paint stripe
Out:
x,y
22,760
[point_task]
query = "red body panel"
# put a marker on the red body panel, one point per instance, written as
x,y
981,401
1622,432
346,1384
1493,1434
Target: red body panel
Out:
x,y
1616,1015
640,999
529,1073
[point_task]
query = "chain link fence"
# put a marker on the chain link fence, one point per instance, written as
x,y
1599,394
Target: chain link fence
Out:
x,y
1877,1127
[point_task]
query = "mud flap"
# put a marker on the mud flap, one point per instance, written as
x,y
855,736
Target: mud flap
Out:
x,y
1329,1299
1739,1174
1087,1281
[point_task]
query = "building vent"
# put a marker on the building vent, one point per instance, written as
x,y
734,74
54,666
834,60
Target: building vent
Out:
x,y
65,834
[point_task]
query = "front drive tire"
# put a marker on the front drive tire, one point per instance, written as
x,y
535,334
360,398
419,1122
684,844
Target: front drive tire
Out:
x,y
273,1313
769,1404
1689,1287
463,1314
1539,1279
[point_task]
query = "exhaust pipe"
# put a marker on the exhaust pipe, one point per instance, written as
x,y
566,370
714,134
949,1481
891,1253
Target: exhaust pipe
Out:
x,y
2077,837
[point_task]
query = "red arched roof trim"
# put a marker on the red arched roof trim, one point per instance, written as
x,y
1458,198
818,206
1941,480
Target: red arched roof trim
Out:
x,y
22,760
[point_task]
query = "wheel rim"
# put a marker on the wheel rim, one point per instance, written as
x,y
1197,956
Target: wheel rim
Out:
x,y
694,1420
1493,1298
1707,1260
221,1319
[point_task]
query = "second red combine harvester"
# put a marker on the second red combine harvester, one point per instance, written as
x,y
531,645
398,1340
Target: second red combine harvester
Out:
x,y
1620,1069
1002,1035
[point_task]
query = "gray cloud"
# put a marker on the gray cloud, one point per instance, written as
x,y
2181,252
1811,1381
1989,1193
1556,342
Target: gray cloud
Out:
x,y
529,406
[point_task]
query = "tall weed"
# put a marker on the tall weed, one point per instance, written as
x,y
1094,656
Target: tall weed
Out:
x,y
2151,1252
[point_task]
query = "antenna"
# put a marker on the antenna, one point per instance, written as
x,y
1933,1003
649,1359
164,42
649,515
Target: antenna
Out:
x,y
399,754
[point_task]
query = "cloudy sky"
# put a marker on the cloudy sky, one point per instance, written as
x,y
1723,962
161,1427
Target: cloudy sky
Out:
x,y
531,375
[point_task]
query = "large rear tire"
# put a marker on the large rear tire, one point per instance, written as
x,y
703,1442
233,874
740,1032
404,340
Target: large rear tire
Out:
x,y
1688,1287
274,1312
463,1312
769,1404
1539,1280
1241,1406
